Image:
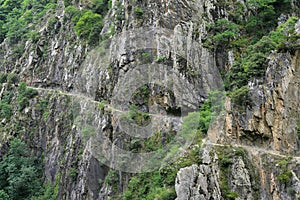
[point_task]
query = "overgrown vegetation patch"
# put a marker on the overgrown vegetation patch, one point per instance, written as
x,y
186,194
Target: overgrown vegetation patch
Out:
x,y
252,38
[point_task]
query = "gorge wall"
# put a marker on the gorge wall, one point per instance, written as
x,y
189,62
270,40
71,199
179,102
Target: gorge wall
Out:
x,y
163,58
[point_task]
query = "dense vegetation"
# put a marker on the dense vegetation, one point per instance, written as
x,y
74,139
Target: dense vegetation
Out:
x,y
20,176
18,18
88,23
252,38
160,184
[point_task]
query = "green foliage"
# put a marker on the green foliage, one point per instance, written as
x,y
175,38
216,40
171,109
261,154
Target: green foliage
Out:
x,y
34,36
89,27
226,158
232,195
222,32
102,104
148,186
89,23
263,16
73,13
46,115
15,26
285,176
254,62
241,96
17,15
146,57
12,78
48,192
22,103
19,176
4,195
252,37
8,96
285,36
51,22
88,131
138,12
134,115
205,116
160,59
24,94
298,132
285,173
210,109
72,173
190,124
5,110
250,66
109,4
3,78
160,184
112,177
99,6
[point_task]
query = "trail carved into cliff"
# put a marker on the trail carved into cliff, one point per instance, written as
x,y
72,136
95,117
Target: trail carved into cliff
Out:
x,y
252,149
206,141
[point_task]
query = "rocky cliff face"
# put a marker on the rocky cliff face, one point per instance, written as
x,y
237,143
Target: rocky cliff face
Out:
x,y
158,60
272,121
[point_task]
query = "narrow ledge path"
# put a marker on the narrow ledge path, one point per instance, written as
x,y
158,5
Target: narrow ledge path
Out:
x,y
205,141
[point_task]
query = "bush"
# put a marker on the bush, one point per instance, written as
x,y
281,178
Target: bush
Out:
x,y
5,110
72,173
285,176
17,15
139,12
3,78
223,31
99,6
30,93
89,27
111,177
254,64
73,13
22,103
88,131
232,195
102,104
49,192
67,2
241,96
285,35
19,177
264,16
4,195
148,186
165,194
140,118
12,78
24,94
190,125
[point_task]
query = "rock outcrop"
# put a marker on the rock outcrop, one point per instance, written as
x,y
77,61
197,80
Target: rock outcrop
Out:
x,y
159,61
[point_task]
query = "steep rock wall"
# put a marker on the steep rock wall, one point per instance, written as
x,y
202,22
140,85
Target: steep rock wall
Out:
x,y
169,35
272,120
